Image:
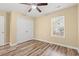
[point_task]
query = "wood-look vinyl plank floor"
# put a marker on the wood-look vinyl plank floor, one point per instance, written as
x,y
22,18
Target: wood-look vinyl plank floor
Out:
x,y
37,48
29,49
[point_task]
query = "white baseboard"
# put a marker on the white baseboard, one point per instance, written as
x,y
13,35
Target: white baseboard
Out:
x,y
18,43
13,44
60,44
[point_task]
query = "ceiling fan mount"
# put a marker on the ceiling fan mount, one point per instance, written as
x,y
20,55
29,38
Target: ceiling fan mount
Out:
x,y
35,6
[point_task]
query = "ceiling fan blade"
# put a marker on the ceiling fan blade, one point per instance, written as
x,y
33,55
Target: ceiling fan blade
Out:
x,y
42,4
29,9
38,9
26,3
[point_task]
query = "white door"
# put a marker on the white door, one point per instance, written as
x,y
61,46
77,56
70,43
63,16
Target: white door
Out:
x,y
2,30
24,29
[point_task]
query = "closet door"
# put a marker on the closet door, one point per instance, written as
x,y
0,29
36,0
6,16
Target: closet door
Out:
x,y
24,30
2,23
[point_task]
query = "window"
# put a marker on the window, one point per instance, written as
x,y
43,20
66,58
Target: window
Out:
x,y
57,26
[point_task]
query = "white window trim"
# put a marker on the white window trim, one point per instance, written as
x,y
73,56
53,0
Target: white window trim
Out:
x,y
52,35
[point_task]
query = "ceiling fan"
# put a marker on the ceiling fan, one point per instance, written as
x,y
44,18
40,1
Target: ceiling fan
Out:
x,y
35,6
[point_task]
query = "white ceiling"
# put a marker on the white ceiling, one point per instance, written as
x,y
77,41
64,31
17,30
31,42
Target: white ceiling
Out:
x,y
51,7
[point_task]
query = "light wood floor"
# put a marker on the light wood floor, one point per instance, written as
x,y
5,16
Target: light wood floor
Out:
x,y
37,48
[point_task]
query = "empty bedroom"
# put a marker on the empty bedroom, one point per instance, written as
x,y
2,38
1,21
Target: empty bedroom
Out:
x,y
39,29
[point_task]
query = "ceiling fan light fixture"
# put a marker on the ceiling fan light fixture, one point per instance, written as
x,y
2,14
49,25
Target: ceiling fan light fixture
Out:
x,y
34,6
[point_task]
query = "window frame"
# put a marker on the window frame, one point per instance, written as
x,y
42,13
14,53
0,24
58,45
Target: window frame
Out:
x,y
52,26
